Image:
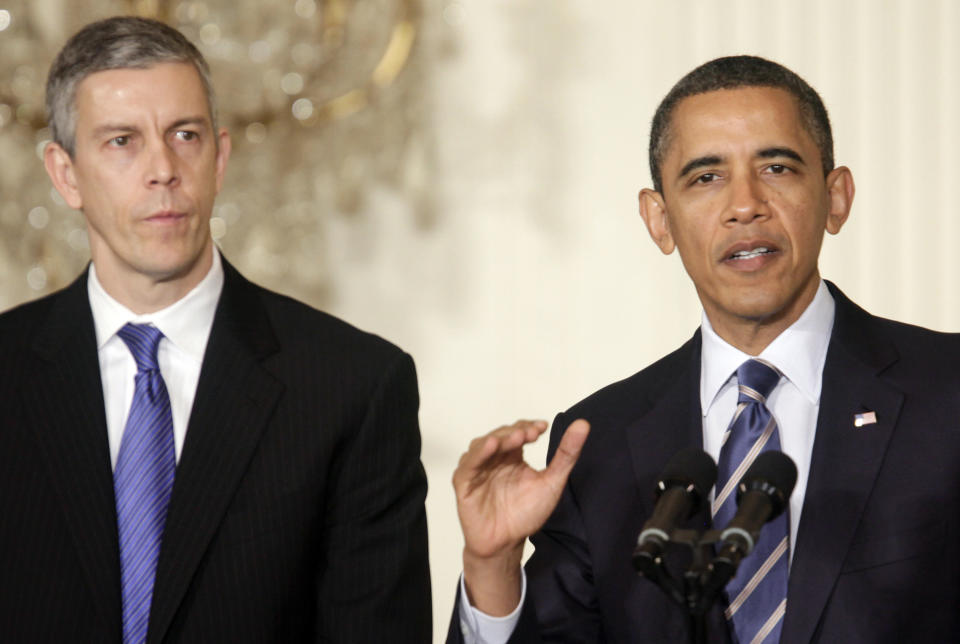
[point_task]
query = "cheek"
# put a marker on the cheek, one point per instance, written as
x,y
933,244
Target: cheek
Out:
x,y
807,217
694,237
105,197
695,255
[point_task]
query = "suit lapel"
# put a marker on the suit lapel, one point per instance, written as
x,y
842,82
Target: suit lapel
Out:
x,y
235,398
63,402
844,463
672,422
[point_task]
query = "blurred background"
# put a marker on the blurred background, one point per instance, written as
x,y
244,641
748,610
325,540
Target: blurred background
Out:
x,y
460,177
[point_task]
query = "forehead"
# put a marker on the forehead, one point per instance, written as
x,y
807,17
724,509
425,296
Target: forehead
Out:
x,y
727,120
165,91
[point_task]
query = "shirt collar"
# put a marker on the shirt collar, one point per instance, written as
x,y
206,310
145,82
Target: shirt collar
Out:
x,y
186,323
799,352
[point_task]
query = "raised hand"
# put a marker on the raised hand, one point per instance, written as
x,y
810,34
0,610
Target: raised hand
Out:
x,y
501,501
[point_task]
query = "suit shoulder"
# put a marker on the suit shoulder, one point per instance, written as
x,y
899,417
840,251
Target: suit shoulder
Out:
x,y
23,330
635,394
877,340
22,321
299,324
923,355
917,337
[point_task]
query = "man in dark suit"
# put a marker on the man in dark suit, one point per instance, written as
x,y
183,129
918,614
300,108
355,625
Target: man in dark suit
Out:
x,y
745,186
296,508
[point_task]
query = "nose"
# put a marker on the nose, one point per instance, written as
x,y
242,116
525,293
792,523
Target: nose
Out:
x,y
748,200
162,168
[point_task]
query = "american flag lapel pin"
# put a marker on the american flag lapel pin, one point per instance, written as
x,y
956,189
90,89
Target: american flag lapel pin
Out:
x,y
864,418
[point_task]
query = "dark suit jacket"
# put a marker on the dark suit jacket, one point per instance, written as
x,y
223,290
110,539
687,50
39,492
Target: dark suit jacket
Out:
x,y
877,555
297,512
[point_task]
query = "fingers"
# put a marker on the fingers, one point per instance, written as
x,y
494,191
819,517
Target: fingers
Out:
x,y
501,441
568,451
500,499
519,434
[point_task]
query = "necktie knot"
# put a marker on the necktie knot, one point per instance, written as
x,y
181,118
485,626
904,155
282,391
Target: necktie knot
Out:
x,y
143,341
756,380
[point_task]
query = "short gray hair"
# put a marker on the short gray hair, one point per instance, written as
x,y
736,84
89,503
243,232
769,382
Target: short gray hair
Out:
x,y
121,42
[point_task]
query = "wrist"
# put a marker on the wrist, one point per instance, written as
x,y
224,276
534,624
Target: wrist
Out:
x,y
494,583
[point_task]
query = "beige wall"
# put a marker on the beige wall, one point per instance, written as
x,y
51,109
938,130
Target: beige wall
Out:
x,y
536,283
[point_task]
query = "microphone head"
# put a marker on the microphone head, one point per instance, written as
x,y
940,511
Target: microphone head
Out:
x,y
774,474
693,469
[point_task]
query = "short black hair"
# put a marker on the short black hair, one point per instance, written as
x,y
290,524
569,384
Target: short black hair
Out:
x,y
733,72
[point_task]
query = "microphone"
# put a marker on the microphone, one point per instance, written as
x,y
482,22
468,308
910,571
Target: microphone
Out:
x,y
683,485
762,495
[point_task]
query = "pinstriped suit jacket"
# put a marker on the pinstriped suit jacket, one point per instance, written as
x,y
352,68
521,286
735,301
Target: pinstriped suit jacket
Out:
x,y
297,512
877,558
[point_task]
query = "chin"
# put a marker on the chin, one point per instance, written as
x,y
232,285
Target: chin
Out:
x,y
760,307
170,269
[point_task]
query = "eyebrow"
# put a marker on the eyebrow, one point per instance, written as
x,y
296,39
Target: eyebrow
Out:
x,y
699,162
190,120
765,153
108,128
772,153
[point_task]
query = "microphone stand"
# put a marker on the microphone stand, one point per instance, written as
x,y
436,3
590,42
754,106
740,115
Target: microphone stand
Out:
x,y
701,583
762,494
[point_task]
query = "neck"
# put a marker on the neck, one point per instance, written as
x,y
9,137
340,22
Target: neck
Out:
x,y
752,339
754,334
145,293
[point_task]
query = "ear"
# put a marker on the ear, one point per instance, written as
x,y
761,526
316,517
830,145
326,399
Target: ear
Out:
x,y
840,191
223,155
653,211
60,168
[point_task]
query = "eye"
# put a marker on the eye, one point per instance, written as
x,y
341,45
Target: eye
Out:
x,y
187,135
778,168
707,177
120,141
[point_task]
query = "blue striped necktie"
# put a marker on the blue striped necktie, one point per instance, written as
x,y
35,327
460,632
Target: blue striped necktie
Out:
x,y
758,593
142,480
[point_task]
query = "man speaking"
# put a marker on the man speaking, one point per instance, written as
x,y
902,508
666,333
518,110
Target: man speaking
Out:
x,y
868,549
185,456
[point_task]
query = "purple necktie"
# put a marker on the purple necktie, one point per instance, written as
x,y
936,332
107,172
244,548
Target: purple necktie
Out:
x,y
142,480
758,593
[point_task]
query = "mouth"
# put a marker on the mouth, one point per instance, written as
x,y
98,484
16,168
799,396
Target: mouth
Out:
x,y
750,256
751,253
166,217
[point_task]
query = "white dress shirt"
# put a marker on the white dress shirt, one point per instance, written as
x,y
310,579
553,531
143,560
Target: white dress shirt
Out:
x,y
800,353
185,325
